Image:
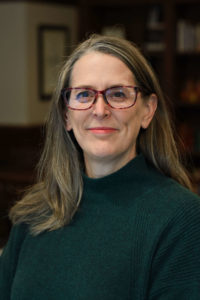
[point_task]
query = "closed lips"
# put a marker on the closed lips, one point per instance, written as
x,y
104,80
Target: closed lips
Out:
x,y
102,129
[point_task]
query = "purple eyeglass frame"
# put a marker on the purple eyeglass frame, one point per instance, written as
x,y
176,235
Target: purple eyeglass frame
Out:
x,y
102,92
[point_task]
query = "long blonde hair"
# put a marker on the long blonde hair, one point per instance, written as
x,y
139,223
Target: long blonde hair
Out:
x,y
54,199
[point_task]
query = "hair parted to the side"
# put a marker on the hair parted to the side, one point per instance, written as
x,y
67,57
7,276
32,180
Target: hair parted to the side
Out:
x,y
54,199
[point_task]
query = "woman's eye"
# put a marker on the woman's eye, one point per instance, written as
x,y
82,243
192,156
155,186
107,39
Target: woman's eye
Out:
x,y
118,95
83,96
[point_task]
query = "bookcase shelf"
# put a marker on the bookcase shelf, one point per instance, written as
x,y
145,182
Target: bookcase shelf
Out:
x,y
155,26
187,72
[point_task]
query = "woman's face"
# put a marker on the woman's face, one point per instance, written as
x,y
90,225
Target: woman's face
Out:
x,y
103,133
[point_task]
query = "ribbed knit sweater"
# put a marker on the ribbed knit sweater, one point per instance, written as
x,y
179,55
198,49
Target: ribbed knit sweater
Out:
x,y
135,236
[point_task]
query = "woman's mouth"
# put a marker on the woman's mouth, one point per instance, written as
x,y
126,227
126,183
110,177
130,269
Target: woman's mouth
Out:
x,y
102,130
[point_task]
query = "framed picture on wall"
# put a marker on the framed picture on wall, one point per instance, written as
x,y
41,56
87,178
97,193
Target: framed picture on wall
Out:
x,y
53,46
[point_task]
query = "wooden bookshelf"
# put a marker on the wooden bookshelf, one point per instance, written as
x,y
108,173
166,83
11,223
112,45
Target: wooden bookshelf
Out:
x,y
161,29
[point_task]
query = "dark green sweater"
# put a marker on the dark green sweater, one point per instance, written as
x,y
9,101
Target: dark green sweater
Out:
x,y
136,236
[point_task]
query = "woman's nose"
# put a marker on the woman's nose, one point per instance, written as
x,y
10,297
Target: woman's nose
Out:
x,y
100,107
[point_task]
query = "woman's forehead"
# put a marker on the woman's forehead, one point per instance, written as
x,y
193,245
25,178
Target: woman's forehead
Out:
x,y
96,66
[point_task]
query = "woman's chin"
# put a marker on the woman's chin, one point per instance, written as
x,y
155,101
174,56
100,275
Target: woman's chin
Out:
x,y
101,154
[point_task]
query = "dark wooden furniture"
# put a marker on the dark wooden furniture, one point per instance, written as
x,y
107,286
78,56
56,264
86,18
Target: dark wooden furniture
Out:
x,y
20,148
168,33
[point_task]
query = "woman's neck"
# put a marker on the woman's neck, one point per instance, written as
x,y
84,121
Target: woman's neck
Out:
x,y
97,168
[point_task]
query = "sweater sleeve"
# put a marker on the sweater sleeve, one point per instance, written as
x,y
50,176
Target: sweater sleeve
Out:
x,y
8,260
176,265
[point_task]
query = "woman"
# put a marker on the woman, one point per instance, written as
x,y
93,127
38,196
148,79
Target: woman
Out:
x,y
111,216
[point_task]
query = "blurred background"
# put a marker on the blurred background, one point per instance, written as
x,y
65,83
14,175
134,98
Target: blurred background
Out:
x,y
35,39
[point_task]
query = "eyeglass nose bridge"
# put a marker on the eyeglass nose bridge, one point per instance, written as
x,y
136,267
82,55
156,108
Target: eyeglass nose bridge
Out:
x,y
97,93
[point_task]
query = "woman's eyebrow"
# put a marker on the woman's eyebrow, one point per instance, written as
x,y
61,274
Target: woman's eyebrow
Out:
x,y
87,86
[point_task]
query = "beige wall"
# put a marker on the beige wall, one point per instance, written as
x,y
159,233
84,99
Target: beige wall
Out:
x,y
20,103
13,60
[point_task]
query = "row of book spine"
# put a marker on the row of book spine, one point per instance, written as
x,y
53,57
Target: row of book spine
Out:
x,y
188,36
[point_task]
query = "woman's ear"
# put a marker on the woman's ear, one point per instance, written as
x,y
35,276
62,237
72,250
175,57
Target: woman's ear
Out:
x,y
67,122
151,106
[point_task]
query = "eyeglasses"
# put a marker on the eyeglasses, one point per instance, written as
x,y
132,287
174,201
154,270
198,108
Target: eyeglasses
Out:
x,y
118,97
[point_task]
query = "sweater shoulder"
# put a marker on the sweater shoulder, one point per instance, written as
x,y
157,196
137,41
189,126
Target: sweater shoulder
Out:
x,y
167,189
164,198
9,258
171,192
16,238
167,200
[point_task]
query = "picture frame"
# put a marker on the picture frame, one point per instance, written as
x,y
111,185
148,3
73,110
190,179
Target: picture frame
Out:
x,y
53,47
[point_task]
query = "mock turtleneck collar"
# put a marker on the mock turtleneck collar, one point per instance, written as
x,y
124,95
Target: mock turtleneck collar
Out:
x,y
130,182
135,172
